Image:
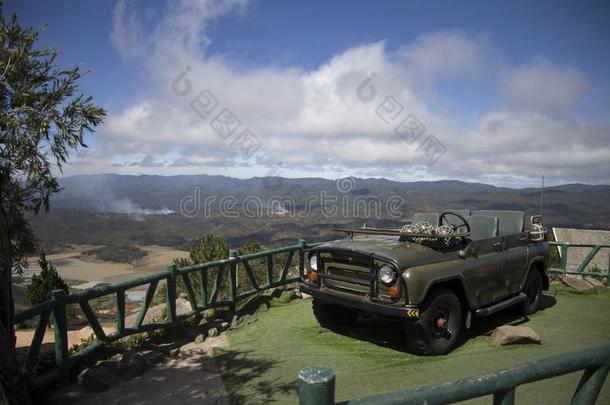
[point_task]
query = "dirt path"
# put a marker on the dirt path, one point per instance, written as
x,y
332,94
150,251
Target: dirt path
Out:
x,y
189,379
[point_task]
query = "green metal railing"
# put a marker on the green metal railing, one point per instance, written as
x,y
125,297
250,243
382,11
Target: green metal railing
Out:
x,y
218,288
317,385
580,269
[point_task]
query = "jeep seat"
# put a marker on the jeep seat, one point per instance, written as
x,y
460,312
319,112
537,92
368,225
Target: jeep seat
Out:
x,y
482,227
511,222
432,217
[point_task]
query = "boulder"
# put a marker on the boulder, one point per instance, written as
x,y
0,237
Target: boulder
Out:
x,y
96,379
224,326
213,332
576,282
506,335
200,338
234,321
595,282
305,296
137,365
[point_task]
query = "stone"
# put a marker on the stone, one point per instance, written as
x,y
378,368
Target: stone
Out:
x,y
224,326
576,282
183,295
507,334
234,321
152,357
174,353
96,379
305,296
137,365
298,293
213,332
203,322
595,282
200,338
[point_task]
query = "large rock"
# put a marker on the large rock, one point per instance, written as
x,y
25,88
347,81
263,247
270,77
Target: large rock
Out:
x,y
595,282
96,378
507,335
137,365
576,282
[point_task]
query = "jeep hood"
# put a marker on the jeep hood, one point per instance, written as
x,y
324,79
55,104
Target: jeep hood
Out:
x,y
403,254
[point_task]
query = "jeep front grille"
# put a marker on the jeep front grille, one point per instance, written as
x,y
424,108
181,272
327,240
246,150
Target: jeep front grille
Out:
x,y
347,272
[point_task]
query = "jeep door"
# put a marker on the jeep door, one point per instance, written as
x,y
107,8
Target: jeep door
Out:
x,y
488,281
516,257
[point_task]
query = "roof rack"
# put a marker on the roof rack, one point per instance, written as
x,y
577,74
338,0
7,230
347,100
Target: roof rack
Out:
x,y
386,231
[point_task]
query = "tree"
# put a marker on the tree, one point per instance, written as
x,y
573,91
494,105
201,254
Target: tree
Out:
x,y
209,249
41,287
249,247
43,117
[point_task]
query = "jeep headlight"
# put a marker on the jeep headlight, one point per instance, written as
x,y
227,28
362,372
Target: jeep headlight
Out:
x,y
387,274
313,262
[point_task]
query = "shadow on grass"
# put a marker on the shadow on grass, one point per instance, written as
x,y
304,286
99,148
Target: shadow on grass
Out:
x,y
508,316
242,372
390,334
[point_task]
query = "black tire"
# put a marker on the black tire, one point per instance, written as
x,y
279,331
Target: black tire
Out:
x,y
424,337
533,291
333,316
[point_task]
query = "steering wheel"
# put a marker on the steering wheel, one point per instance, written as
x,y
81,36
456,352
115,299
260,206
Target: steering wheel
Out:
x,y
443,221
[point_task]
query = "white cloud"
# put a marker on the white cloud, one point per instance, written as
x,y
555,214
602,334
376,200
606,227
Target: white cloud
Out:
x,y
542,86
319,118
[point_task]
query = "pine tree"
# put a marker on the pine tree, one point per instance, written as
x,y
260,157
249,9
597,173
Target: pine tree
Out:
x,y
41,287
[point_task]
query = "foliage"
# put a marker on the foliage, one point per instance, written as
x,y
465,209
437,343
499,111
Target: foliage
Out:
x,y
117,253
251,246
42,286
210,248
43,117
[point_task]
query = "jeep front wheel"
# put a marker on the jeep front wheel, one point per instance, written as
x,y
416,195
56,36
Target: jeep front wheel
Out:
x,y
332,316
439,329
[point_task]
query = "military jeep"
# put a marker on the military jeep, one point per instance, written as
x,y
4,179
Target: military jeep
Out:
x,y
435,273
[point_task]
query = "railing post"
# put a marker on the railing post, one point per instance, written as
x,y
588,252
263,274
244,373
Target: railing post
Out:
x,y
506,397
120,312
316,386
232,278
301,257
563,264
590,385
60,325
171,293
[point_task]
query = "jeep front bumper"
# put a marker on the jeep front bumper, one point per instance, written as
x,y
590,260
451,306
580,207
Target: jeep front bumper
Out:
x,y
363,305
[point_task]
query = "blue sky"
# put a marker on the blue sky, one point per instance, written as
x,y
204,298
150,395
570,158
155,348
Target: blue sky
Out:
x,y
510,90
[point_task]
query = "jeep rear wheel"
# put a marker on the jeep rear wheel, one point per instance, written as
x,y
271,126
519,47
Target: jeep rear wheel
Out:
x,y
332,316
533,291
439,329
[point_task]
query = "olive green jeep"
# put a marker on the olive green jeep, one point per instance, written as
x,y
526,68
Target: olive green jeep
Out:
x,y
435,273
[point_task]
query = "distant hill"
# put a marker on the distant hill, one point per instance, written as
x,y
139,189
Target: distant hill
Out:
x,y
147,209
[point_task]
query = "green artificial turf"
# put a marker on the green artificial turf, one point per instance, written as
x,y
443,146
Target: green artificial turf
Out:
x,y
265,356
